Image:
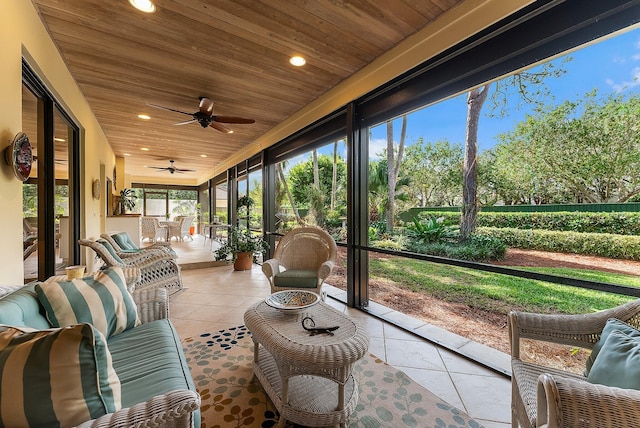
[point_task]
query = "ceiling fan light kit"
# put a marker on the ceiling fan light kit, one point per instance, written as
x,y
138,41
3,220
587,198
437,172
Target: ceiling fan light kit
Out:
x,y
205,117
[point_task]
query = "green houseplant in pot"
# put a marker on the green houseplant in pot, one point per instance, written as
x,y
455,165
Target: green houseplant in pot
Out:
x,y
241,247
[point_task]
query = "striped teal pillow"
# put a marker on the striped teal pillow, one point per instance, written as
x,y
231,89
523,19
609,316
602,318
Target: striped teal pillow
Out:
x,y
101,300
59,377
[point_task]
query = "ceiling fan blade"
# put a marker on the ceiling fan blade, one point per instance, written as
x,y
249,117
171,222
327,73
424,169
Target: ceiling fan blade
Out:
x,y
184,170
220,127
206,106
170,109
186,121
160,168
232,119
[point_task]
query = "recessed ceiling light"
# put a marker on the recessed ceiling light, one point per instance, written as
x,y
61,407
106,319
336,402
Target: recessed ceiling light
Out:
x,y
144,116
298,61
127,154
146,6
144,149
60,140
203,156
230,131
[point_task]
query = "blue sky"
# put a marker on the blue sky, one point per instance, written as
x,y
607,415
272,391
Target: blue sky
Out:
x,y
611,65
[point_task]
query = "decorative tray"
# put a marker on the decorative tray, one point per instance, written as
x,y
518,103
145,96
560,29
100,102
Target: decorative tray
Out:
x,y
292,301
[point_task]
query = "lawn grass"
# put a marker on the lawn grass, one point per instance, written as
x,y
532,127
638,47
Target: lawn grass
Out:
x,y
501,293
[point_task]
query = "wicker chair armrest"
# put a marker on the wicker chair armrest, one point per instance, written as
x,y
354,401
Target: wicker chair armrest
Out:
x,y
162,410
564,402
325,269
152,303
270,268
575,330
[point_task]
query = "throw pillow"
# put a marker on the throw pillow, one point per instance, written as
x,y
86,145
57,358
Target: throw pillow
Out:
x,y
618,362
59,377
110,249
101,300
125,243
611,325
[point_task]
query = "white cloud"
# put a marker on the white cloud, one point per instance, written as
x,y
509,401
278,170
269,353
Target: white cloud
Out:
x,y
624,85
376,148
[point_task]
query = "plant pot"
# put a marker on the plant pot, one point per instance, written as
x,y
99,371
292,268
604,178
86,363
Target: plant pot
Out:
x,y
243,261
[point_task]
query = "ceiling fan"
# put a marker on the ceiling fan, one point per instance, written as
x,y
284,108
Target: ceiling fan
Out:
x,y
205,117
172,168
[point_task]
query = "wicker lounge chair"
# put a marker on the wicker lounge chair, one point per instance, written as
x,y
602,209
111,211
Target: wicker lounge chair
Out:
x,y
303,259
161,247
156,270
550,398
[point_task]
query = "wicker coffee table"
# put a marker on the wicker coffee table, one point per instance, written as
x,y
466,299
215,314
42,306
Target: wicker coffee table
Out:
x,y
308,378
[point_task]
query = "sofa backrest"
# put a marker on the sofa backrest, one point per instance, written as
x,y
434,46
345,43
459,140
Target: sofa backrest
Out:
x,y
22,309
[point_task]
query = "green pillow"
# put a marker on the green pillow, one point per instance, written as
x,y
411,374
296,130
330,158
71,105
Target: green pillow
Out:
x,y
60,377
101,300
130,242
618,362
121,240
110,249
611,325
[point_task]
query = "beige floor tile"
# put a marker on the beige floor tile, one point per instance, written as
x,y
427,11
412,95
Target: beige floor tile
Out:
x,y
413,353
485,397
438,382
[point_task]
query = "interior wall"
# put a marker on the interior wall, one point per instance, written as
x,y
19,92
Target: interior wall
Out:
x,y
23,34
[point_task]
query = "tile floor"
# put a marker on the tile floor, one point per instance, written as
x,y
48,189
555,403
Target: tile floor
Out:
x,y
216,297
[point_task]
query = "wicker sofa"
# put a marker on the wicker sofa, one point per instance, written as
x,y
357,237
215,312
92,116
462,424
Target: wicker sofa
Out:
x,y
553,398
156,385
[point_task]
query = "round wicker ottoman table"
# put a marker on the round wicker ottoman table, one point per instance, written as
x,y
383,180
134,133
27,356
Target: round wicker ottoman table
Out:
x,y
308,377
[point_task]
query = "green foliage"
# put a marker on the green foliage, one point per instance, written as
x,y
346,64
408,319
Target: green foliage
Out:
x,y
435,169
620,223
300,179
584,151
128,199
428,231
595,244
476,248
389,244
240,241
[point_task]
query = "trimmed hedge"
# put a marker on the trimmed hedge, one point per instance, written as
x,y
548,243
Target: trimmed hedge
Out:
x,y
479,248
595,244
618,223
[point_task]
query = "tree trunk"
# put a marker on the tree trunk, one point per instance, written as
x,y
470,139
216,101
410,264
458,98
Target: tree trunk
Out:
x,y
393,169
288,192
475,101
334,177
316,171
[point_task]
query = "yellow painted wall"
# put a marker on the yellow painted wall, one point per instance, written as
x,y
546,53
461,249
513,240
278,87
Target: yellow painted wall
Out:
x,y
23,34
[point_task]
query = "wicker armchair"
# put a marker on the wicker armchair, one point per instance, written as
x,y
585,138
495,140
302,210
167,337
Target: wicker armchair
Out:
x,y
303,259
152,230
181,228
156,270
158,247
548,397
174,408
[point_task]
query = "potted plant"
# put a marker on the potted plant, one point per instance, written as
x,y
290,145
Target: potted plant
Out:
x,y
127,200
241,247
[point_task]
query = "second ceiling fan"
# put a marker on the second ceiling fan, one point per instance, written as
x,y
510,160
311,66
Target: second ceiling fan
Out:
x,y
205,117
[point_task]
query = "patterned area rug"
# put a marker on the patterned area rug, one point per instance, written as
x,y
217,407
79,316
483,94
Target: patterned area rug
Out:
x,y
221,366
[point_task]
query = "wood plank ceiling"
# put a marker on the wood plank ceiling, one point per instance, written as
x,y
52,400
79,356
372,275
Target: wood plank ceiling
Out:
x,y
234,52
